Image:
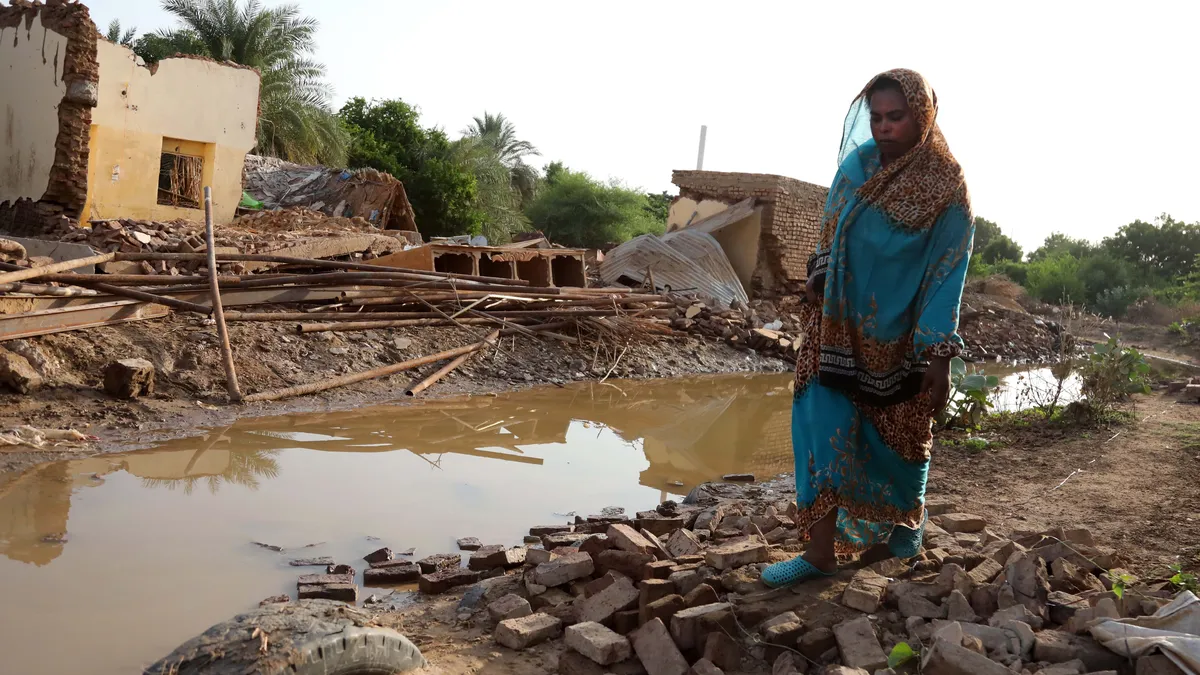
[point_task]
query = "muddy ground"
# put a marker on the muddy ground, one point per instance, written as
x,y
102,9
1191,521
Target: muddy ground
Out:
x,y
190,383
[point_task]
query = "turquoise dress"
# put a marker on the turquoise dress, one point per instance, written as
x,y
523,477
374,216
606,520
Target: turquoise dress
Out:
x,y
861,429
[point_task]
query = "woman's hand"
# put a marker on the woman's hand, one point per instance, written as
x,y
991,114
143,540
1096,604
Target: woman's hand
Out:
x,y
814,288
937,385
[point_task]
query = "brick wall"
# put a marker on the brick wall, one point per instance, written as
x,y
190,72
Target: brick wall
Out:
x,y
67,190
791,219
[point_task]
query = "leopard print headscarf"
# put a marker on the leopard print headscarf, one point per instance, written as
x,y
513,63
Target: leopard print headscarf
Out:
x,y
916,188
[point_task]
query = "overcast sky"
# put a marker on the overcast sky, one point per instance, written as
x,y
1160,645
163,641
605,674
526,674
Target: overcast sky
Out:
x,y
1062,113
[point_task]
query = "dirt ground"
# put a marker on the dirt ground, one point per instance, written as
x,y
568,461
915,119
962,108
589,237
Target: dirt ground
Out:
x,y
1133,486
190,381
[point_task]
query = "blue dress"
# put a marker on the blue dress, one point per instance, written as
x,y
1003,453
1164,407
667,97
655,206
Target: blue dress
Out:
x,y
861,429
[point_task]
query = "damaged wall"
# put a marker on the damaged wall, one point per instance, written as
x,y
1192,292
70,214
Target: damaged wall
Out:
x,y
48,76
791,218
182,109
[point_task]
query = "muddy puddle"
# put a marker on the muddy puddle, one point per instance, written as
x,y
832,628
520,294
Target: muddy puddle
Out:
x,y
108,563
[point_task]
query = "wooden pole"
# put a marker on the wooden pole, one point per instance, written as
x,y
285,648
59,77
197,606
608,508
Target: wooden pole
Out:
x,y
445,370
54,291
35,272
231,381
330,383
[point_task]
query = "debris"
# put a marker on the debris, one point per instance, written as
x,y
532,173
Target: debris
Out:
x,y
17,374
469,544
380,555
657,651
598,643
324,561
446,579
433,563
858,645
389,575
527,631
618,596
865,592
564,569
737,554
129,378
511,606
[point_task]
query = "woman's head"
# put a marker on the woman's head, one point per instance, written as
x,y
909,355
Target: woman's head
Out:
x,y
894,125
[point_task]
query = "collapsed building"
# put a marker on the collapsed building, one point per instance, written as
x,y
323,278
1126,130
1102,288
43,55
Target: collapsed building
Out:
x,y
93,133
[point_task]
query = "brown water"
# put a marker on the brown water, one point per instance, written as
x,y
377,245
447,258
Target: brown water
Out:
x,y
109,563
158,542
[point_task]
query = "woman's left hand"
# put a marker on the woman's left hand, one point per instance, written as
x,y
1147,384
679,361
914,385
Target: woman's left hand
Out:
x,y
936,385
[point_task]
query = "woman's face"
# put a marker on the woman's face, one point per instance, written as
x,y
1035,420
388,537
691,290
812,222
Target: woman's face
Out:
x,y
892,124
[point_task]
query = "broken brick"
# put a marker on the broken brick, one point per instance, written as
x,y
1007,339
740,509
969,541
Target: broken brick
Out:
x,y
736,554
598,643
657,651
446,579
527,631
858,645
601,607
391,575
511,606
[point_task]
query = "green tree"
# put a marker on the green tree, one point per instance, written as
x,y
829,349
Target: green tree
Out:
x,y
1056,280
659,205
117,36
1002,249
387,135
1058,244
1166,249
295,121
985,232
574,209
500,135
497,197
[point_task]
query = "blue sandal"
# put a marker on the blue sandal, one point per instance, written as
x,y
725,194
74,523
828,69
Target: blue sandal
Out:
x,y
905,542
791,572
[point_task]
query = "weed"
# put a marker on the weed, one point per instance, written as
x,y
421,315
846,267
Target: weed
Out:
x,y
1184,581
1112,373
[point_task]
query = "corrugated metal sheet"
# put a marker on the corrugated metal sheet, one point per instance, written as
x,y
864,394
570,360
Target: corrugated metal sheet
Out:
x,y
684,260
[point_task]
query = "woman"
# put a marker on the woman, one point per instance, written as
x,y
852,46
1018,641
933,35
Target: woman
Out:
x,y
875,365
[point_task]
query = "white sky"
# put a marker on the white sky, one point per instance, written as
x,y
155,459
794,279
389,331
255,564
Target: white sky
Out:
x,y
1060,112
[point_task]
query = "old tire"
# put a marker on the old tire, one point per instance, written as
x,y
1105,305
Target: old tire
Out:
x,y
309,637
359,651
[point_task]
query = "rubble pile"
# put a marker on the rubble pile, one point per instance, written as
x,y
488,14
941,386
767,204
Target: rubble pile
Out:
x,y
260,232
760,327
677,591
991,332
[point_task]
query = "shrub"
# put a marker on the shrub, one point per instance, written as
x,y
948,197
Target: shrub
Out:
x,y
970,396
1111,374
1115,302
1056,280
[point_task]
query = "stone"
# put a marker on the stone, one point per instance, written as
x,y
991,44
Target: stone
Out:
x,y
1026,576
951,577
537,556
663,608
659,569
564,570
686,623
858,645
392,575
705,667
493,557
958,608
658,550
1069,577
488,591
1063,606
685,582
785,664
723,651
816,642
984,600
441,561
1001,550
511,606
985,572
632,565
783,634
657,651
341,569
1075,667
324,561
543,530
595,545
446,579
1054,646
628,539
598,643
737,554
951,632
527,631
469,544
701,595
914,605
600,608
382,555
323,579
974,644
1025,638
340,591
962,522
552,597
18,375
274,600
127,378
683,542
742,580
865,591
843,670
946,658
564,539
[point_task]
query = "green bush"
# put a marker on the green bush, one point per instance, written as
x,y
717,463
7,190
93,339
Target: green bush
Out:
x,y
1115,302
574,209
1111,374
1056,280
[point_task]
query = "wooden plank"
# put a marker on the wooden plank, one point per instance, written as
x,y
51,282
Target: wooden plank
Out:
x,y
419,258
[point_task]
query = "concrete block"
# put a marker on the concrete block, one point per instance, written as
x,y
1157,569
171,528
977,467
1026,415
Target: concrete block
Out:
x,y
683,542
564,569
538,556
865,591
511,606
653,590
686,623
527,631
657,651
341,591
664,608
858,645
446,579
598,643
469,544
433,563
701,595
962,522
392,575
737,554
600,608
127,378
705,667
632,565
628,539
946,658
816,642
723,651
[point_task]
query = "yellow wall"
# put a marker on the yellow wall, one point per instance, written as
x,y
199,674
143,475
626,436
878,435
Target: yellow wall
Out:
x,y
31,65
210,106
683,209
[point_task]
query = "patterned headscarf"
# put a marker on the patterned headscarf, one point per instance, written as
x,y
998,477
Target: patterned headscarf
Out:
x,y
917,187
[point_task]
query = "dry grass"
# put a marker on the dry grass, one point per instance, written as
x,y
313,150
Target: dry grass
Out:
x,y
1154,313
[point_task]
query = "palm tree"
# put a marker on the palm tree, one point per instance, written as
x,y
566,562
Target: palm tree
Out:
x,y
499,134
116,36
495,194
295,120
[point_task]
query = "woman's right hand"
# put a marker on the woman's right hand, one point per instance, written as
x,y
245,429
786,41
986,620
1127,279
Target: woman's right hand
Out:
x,y
814,288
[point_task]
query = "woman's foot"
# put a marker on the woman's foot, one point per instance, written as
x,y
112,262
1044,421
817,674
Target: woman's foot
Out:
x,y
905,542
794,571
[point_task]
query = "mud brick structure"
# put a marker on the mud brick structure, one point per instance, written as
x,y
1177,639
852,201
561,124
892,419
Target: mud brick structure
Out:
x,y
58,40
791,218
